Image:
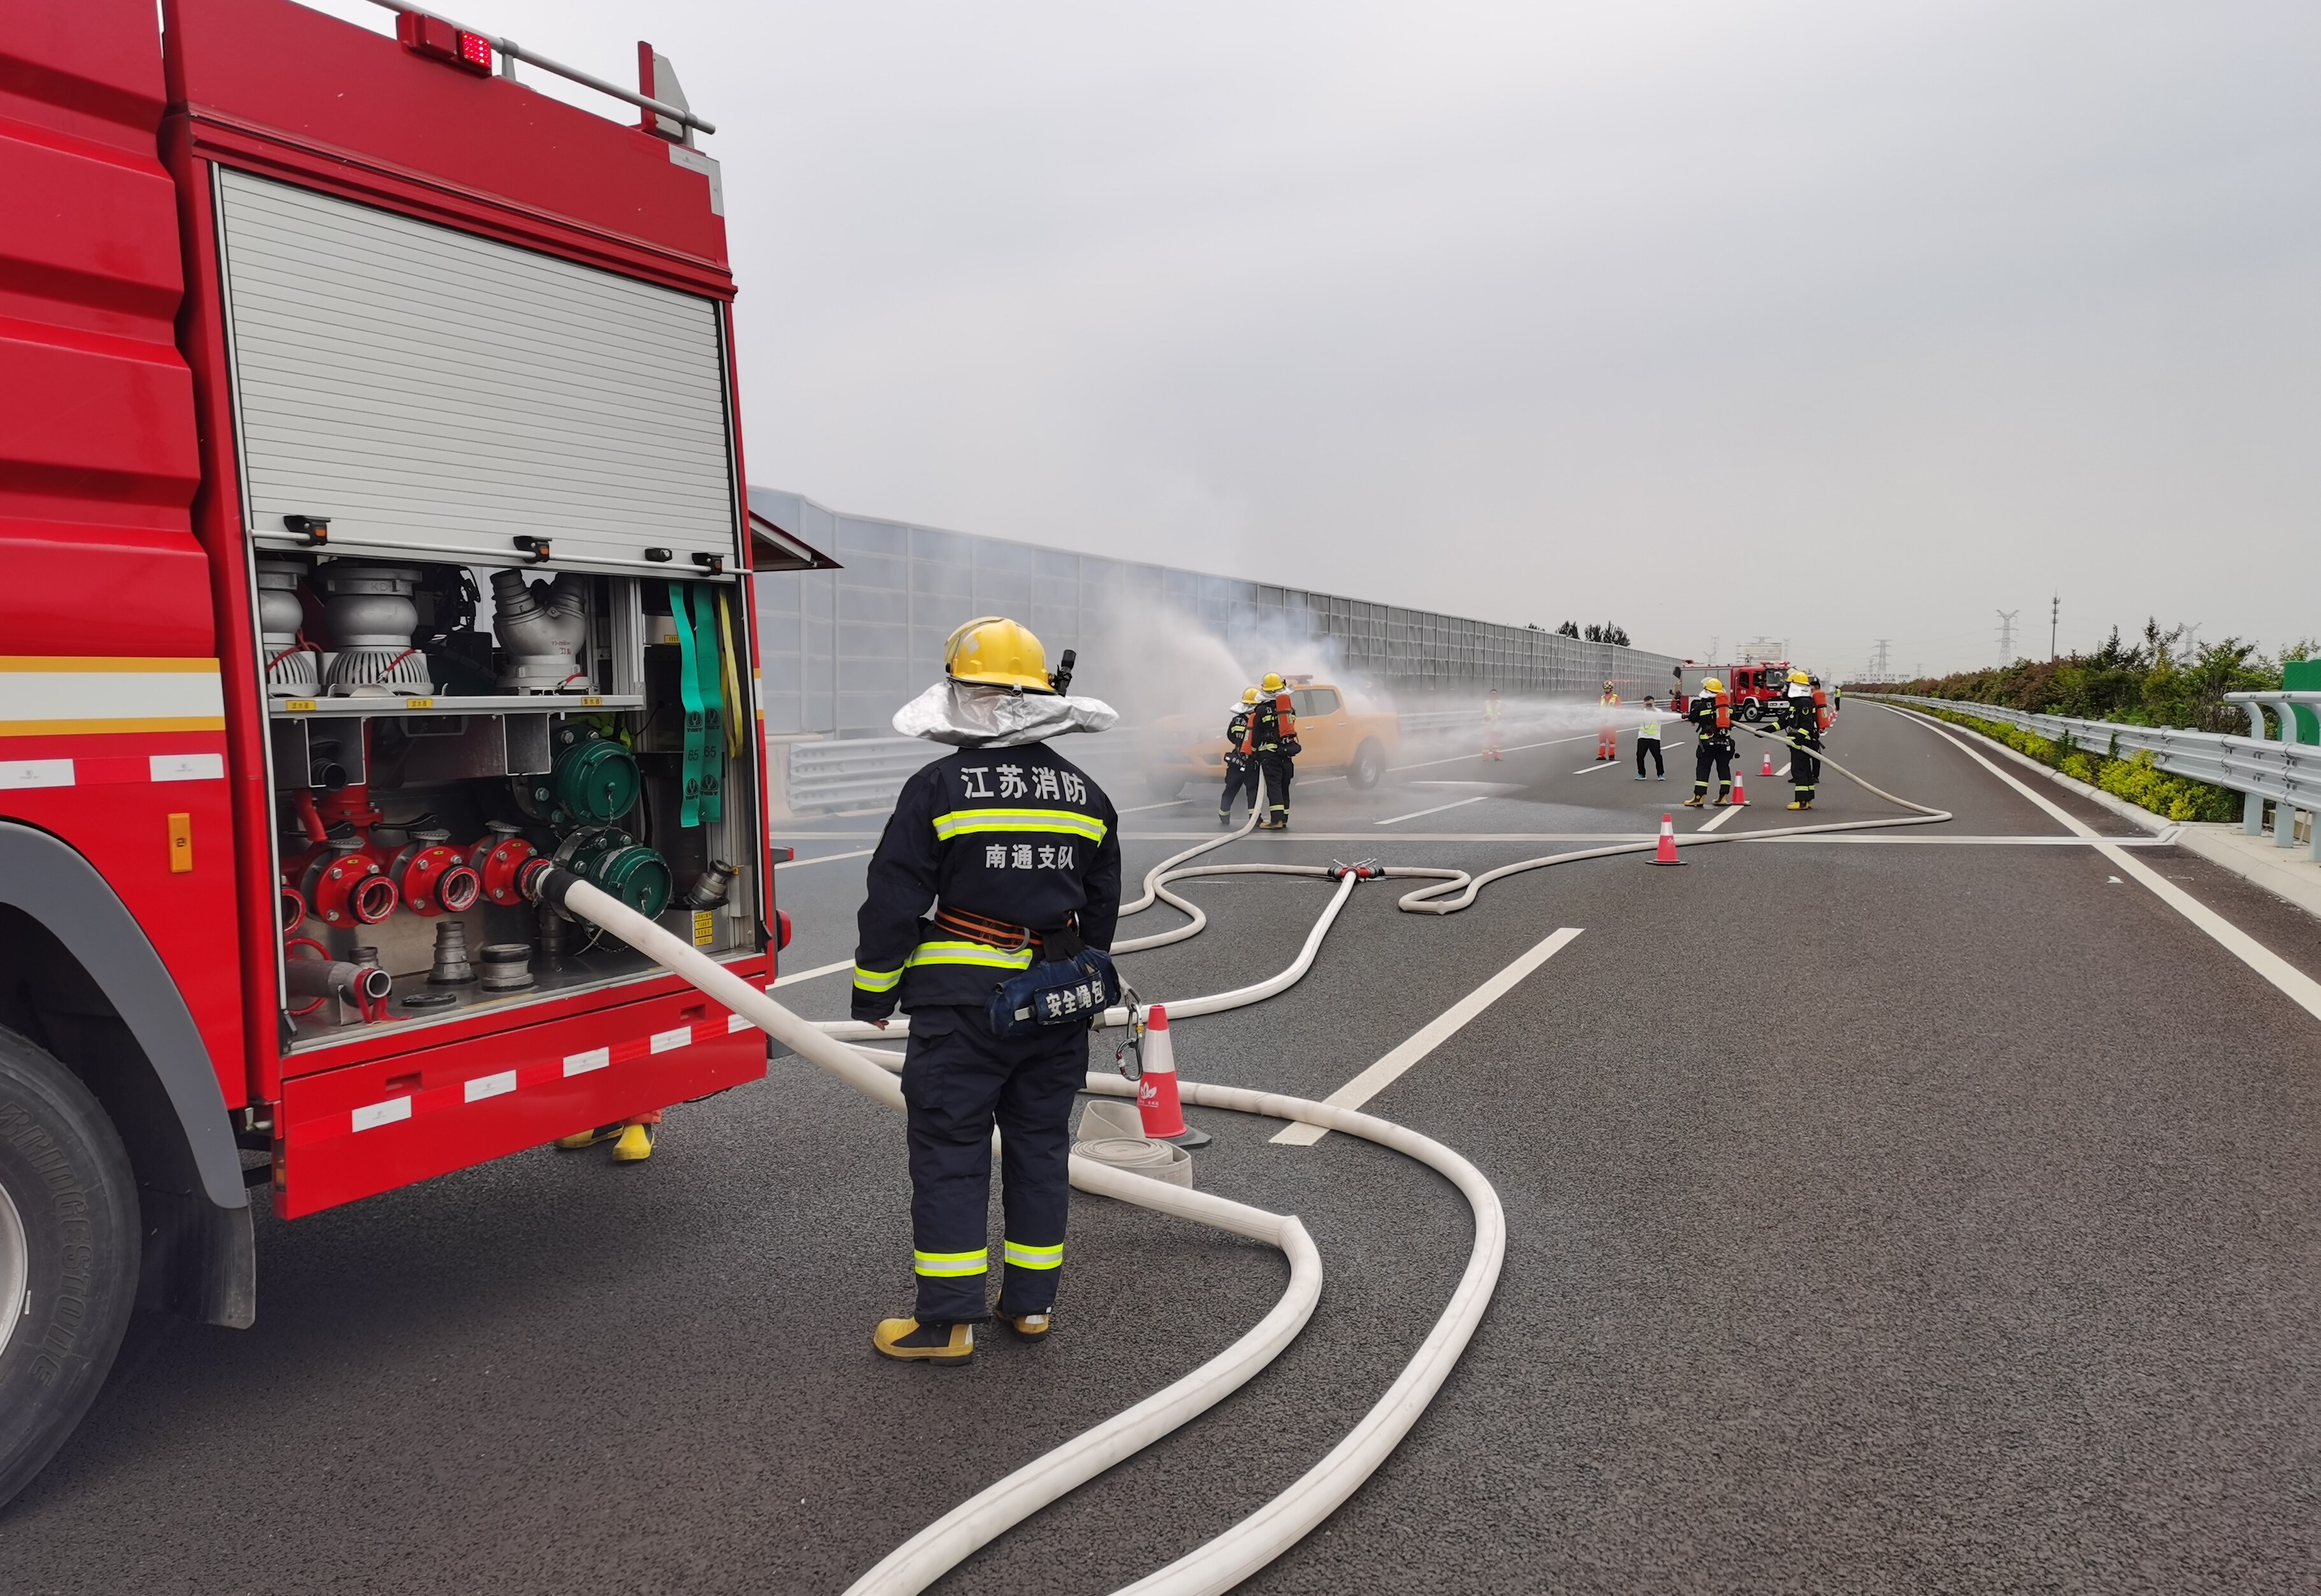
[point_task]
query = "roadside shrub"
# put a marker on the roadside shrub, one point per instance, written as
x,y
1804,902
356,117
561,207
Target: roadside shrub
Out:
x,y
2138,780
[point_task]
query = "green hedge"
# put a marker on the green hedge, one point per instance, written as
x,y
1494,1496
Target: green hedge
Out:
x,y
2138,780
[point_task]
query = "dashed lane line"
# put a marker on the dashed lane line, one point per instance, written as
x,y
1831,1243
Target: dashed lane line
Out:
x,y
1438,808
2294,984
1429,1036
819,970
1729,812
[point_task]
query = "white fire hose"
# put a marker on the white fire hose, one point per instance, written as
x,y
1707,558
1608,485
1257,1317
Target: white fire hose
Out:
x,y
1224,1561
1220,1564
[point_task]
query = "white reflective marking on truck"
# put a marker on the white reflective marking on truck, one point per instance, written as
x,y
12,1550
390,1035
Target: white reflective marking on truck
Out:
x,y
187,767
37,773
580,1064
663,1041
498,1085
734,1022
373,1115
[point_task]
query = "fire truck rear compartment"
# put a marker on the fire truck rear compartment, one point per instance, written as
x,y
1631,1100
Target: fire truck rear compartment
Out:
x,y
434,730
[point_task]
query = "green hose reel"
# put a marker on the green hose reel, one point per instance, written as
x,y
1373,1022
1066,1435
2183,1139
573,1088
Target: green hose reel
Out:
x,y
593,781
616,863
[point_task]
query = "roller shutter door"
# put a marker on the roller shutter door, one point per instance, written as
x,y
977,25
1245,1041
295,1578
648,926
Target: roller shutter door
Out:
x,y
423,387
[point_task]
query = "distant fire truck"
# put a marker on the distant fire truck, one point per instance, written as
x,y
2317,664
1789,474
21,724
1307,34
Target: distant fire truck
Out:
x,y
373,531
1756,690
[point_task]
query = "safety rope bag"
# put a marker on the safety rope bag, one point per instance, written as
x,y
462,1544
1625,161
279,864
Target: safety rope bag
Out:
x,y
1071,989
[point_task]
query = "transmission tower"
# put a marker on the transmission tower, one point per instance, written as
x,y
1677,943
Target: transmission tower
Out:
x,y
2007,636
1881,668
2054,614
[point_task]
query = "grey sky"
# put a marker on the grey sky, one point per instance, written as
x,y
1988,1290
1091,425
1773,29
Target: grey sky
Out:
x,y
1810,320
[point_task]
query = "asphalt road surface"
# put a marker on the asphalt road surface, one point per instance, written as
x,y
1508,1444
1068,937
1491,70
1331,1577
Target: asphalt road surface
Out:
x,y
1923,1213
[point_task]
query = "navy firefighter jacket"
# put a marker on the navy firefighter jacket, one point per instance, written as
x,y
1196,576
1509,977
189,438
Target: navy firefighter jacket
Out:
x,y
1019,835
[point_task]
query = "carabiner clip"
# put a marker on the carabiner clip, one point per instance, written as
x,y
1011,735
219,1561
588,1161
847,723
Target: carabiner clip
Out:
x,y
1132,1039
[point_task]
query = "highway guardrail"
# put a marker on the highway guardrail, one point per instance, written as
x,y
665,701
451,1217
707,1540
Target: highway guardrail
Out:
x,y
2286,773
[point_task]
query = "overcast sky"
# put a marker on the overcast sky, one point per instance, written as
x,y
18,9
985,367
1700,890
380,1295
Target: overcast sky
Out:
x,y
1804,319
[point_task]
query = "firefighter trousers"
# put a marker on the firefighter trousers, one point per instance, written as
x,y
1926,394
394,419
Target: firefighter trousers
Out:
x,y
1805,771
958,1080
1712,753
1649,745
1240,781
1278,768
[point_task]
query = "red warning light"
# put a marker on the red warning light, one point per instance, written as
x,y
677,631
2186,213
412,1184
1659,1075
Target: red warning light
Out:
x,y
433,36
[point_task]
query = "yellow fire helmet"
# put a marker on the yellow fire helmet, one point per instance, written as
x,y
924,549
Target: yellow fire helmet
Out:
x,y
1249,696
1272,683
1711,685
997,652
1800,678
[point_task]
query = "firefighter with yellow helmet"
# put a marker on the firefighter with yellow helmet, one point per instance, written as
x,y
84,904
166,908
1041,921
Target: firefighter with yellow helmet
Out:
x,y
1271,741
1804,718
1017,851
1711,714
1241,769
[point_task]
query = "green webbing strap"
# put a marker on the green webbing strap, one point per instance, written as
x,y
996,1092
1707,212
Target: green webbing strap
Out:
x,y
710,692
688,687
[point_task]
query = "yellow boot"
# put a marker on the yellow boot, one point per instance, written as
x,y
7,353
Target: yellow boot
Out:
x,y
1030,1326
938,1344
635,1145
589,1138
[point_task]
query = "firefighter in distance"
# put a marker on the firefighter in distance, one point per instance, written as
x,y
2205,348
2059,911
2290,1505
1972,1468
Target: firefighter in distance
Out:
x,y
1241,769
1804,718
1017,851
1711,714
1271,741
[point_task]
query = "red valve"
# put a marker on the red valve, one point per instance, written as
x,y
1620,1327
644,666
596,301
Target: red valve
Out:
x,y
433,879
499,859
781,929
344,886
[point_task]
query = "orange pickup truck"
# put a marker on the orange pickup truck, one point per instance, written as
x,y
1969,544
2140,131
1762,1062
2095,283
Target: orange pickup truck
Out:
x,y
1337,740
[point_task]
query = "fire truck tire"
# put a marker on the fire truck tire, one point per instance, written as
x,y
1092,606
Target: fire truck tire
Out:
x,y
1753,710
68,1246
1369,764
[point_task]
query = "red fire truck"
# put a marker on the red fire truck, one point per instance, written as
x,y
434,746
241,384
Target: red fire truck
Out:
x,y
1756,690
372,528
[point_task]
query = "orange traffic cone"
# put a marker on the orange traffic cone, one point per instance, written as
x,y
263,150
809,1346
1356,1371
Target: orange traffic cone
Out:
x,y
1156,1093
1739,797
1666,853
1769,763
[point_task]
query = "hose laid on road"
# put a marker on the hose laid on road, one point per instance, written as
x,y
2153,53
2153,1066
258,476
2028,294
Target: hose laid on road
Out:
x,y
1224,1561
1431,899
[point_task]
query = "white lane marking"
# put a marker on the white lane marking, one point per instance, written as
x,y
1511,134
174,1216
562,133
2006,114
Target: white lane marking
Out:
x,y
1438,808
483,1086
859,853
1429,1036
1519,747
2294,984
819,970
1784,770
580,1064
1140,808
1722,815
1599,764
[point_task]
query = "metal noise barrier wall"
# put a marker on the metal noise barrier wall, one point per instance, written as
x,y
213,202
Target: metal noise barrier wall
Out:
x,y
841,649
